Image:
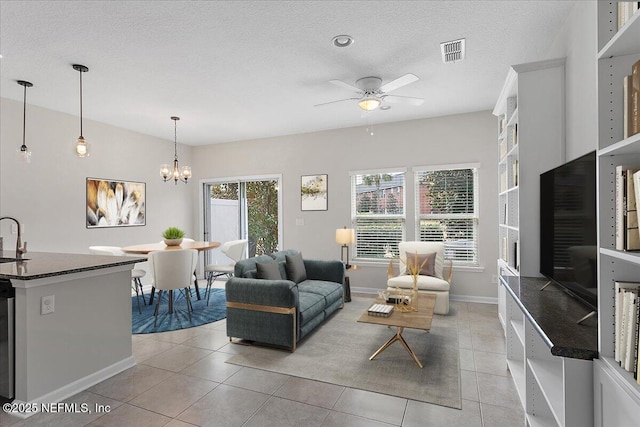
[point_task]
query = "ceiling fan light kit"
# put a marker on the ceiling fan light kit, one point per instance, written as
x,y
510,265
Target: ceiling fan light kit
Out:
x,y
369,104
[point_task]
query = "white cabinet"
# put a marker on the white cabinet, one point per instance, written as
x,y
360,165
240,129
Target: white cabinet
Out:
x,y
617,394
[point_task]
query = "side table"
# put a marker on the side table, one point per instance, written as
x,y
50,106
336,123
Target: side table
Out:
x,y
347,284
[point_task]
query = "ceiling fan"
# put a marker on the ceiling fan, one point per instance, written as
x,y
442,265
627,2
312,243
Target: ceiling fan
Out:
x,y
372,92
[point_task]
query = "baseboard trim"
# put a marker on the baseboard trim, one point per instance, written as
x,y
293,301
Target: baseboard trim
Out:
x,y
75,387
460,298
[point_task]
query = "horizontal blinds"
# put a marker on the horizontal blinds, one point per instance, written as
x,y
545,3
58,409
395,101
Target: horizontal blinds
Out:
x,y
378,213
447,202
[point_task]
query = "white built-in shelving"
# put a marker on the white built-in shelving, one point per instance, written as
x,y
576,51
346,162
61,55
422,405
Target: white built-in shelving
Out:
x,y
617,393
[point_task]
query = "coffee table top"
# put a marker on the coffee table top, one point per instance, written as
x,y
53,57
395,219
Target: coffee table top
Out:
x,y
420,319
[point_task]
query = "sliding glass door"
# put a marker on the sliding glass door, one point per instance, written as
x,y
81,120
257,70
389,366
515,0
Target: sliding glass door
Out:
x,y
243,208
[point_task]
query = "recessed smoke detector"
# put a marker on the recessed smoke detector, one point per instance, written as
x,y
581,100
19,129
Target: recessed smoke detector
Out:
x,y
385,107
342,40
453,51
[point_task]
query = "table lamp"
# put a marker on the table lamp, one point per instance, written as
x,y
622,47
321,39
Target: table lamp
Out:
x,y
345,236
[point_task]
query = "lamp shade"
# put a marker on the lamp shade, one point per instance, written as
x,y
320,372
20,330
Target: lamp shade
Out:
x,y
345,236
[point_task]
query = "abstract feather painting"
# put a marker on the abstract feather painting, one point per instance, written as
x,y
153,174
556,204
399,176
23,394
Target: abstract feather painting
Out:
x,y
115,203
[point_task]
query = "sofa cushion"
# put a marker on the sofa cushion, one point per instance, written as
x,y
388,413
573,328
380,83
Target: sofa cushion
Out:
x,y
247,267
424,283
331,291
268,270
423,248
425,263
295,268
311,305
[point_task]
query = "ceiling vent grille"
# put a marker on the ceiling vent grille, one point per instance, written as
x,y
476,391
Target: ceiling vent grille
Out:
x,y
452,51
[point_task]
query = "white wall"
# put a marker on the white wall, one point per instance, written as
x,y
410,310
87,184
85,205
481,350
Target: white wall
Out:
x,y
444,140
577,42
49,195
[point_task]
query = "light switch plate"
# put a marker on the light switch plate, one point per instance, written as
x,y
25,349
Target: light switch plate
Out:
x,y
47,304
299,221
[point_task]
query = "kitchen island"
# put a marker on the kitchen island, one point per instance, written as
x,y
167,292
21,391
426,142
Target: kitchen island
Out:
x,y
86,337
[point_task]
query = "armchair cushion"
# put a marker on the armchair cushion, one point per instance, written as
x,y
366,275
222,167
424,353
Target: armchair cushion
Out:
x,y
425,283
423,248
425,263
295,268
268,270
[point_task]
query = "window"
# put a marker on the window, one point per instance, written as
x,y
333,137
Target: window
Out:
x,y
447,210
379,221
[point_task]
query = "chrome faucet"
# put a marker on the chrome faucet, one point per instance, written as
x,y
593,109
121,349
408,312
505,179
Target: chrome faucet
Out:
x,y
20,248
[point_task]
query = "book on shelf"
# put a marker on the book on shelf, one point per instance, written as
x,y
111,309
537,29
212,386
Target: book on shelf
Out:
x,y
514,165
516,254
633,115
626,9
626,223
626,323
502,123
503,180
502,148
629,128
381,310
505,250
514,135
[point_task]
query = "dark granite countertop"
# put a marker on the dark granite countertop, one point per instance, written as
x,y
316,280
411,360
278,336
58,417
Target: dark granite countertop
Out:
x,y
37,265
554,314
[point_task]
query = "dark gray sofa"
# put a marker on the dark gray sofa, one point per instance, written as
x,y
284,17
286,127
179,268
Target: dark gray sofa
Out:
x,y
281,312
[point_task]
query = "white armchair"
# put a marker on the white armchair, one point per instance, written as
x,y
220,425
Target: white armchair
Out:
x,y
438,284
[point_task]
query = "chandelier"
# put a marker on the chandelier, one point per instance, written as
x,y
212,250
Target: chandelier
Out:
x,y
166,172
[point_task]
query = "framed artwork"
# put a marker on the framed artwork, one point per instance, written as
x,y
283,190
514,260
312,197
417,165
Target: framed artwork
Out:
x,y
313,192
115,203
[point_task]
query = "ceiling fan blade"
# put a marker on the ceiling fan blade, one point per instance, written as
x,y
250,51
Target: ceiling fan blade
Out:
x,y
404,100
399,82
333,102
345,85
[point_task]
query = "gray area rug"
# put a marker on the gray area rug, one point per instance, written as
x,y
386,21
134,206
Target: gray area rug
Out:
x,y
338,352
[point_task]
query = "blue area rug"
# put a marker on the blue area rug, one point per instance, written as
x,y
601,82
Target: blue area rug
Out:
x,y
179,319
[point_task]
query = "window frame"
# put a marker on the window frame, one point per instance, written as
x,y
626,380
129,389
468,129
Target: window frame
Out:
x,y
385,216
475,216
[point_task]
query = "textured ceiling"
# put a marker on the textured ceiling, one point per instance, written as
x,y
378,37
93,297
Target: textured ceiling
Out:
x,y
250,69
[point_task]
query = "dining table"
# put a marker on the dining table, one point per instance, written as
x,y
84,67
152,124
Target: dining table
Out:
x,y
146,248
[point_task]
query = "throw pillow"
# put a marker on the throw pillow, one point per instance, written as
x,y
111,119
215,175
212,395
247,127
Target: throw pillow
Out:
x,y
295,268
427,261
268,270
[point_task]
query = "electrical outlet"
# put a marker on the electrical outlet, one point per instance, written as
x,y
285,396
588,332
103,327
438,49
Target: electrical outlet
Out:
x,y
494,279
14,228
47,304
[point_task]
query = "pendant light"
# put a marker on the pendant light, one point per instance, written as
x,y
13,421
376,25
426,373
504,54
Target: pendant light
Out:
x,y
82,147
166,172
24,153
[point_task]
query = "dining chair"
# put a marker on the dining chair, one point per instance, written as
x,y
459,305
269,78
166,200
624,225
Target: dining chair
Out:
x,y
172,270
136,273
234,249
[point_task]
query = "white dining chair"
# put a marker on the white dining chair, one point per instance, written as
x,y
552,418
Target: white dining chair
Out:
x,y
136,273
172,270
235,250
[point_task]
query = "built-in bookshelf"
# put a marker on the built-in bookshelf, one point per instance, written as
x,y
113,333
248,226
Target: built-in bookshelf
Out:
x,y
530,112
617,392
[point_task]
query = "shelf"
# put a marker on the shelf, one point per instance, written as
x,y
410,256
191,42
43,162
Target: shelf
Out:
x,y
508,227
513,119
625,41
623,377
518,327
549,377
630,145
516,367
509,190
631,257
538,421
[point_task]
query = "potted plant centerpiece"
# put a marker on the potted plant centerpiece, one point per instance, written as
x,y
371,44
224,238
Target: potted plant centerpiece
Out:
x,y
173,236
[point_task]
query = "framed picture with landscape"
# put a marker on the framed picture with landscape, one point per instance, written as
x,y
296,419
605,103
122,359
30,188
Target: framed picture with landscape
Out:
x,y
313,192
113,203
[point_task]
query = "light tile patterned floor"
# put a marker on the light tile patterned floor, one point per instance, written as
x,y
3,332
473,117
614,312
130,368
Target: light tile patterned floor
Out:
x,y
182,380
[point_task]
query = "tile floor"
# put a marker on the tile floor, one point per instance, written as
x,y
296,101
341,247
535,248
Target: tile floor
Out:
x,y
181,379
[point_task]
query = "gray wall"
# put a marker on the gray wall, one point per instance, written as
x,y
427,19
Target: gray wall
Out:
x,y
438,141
49,195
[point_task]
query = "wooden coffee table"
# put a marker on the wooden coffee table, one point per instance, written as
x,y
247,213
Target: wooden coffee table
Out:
x,y
420,319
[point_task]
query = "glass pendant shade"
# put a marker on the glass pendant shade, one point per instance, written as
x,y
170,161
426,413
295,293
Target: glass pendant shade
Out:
x,y
24,154
82,147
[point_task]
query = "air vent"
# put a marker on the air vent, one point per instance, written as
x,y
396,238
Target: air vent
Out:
x,y
452,51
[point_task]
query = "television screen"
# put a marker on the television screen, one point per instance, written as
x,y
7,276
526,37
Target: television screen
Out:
x,y
568,231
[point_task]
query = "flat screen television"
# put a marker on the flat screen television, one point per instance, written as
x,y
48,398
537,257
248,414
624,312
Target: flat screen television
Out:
x,y
568,230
